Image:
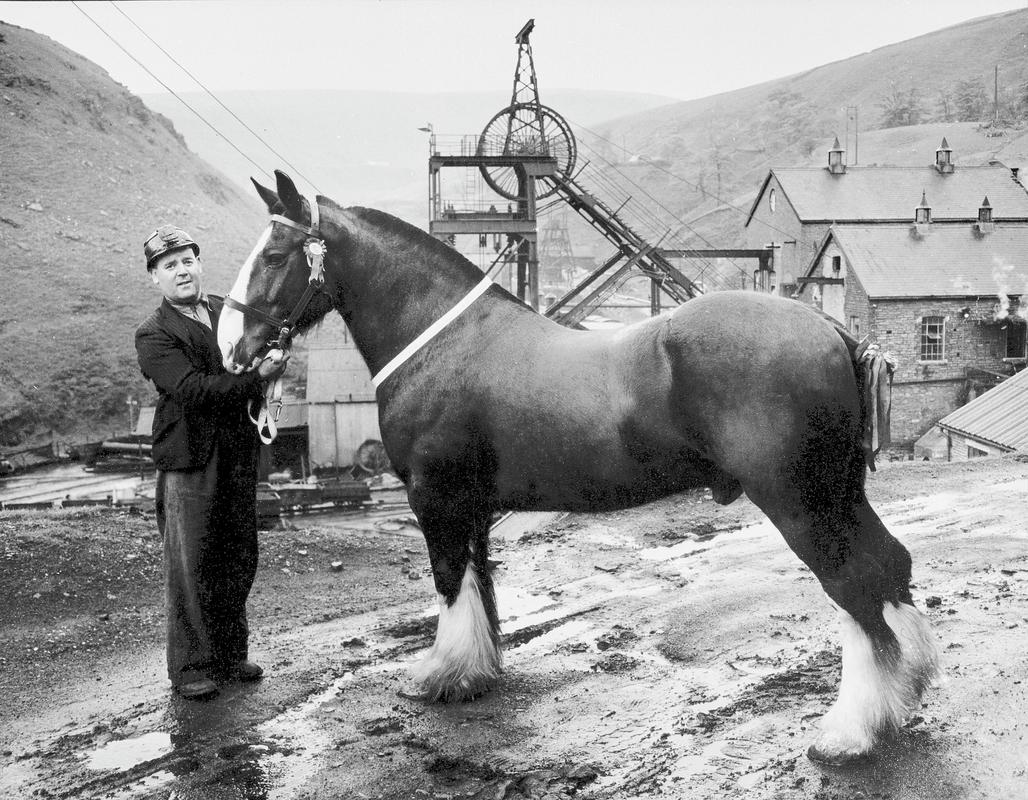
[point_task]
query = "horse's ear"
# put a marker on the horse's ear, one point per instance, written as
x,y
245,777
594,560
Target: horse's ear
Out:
x,y
290,198
269,197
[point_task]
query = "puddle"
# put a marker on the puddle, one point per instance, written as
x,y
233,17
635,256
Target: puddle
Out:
x,y
516,603
123,754
552,638
685,551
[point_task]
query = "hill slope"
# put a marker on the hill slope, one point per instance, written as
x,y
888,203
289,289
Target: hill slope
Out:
x,y
718,149
88,171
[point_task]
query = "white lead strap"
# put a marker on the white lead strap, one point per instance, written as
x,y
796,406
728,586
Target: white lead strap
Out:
x,y
431,332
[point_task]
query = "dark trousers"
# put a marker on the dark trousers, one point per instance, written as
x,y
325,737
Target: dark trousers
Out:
x,y
208,518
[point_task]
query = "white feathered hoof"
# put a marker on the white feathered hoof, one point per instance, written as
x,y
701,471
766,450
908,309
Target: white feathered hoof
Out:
x,y
878,691
465,661
443,680
833,751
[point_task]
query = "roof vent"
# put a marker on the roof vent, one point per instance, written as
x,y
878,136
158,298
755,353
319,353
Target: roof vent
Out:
x,y
984,224
944,158
923,212
835,162
922,217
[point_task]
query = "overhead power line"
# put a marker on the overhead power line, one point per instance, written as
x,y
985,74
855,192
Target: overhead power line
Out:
x,y
170,90
217,100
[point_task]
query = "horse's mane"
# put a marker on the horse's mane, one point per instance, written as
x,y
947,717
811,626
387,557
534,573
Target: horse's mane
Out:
x,y
393,227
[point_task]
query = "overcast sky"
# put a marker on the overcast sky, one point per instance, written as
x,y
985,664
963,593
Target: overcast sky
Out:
x,y
679,48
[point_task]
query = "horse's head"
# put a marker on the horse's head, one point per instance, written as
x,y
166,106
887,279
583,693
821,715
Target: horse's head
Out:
x,y
278,291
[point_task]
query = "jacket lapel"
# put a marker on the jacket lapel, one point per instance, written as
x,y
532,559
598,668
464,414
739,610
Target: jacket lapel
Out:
x,y
199,339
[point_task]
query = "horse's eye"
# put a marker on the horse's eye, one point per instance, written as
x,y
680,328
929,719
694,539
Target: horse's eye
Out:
x,y
274,260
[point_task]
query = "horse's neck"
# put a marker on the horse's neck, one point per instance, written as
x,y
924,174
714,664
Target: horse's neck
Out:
x,y
394,287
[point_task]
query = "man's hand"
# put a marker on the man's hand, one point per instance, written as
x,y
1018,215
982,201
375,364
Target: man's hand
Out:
x,y
273,365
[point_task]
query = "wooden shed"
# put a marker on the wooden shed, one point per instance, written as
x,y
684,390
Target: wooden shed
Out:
x,y
342,413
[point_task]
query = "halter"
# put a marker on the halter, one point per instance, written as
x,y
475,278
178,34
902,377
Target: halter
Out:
x,y
314,248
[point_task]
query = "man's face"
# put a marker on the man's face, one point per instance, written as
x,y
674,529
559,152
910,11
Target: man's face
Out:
x,y
178,275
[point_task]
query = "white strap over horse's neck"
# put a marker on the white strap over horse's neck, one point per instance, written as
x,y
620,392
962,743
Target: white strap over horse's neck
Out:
x,y
431,332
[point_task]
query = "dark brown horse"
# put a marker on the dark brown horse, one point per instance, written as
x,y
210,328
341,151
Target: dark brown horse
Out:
x,y
485,405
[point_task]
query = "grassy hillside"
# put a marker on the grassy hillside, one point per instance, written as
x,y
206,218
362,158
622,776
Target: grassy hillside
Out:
x,y
717,150
88,171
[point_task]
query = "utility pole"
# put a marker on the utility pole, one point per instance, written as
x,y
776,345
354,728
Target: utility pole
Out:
x,y
852,114
995,96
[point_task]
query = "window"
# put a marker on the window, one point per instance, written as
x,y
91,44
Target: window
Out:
x,y
836,264
855,326
974,452
1015,339
772,200
933,338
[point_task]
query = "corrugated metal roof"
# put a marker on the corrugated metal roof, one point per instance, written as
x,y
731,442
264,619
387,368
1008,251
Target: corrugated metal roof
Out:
x,y
948,260
999,416
892,193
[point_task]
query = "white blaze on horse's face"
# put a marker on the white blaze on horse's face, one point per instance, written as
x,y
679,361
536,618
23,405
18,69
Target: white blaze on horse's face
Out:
x,y
232,324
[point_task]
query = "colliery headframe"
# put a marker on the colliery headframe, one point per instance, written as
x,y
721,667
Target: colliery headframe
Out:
x,y
527,154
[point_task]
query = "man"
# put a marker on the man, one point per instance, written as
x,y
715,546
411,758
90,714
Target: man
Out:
x,y
205,449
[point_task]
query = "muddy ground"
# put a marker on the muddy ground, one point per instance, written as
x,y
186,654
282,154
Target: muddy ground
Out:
x,y
673,651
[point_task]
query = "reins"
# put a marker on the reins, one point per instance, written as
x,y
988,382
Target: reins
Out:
x,y
314,248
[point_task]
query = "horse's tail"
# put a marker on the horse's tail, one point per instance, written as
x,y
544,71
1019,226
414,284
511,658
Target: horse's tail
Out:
x,y
873,368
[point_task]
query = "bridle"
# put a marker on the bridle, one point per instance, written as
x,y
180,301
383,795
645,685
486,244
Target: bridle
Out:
x,y
314,248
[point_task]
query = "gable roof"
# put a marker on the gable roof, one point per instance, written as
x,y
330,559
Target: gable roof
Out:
x,y
892,193
948,260
999,416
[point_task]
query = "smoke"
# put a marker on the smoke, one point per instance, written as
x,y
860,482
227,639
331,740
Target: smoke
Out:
x,y
1001,276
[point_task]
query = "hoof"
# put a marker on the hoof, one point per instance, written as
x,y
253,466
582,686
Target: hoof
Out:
x,y
835,758
460,691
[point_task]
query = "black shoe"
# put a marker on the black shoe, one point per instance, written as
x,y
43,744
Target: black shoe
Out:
x,y
244,671
198,689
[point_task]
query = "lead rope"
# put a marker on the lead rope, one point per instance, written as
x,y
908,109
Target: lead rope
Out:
x,y
270,407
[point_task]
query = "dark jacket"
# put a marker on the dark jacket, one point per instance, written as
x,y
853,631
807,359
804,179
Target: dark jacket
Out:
x,y
199,402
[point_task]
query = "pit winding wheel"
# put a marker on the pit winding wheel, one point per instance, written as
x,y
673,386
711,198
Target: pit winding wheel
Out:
x,y
524,129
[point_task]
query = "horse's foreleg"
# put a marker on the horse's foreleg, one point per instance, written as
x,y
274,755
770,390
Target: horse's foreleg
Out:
x,y
465,659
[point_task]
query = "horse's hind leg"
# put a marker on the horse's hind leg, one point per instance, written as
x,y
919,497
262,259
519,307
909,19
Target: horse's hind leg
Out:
x,y
888,655
465,659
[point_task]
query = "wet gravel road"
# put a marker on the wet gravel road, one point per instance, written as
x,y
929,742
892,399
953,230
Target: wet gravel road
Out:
x,y
678,651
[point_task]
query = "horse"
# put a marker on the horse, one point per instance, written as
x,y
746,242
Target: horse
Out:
x,y
486,405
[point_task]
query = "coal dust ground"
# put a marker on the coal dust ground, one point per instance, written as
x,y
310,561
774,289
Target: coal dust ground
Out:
x,y
677,650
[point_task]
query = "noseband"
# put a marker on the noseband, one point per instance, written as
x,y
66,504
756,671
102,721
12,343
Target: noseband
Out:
x,y
314,248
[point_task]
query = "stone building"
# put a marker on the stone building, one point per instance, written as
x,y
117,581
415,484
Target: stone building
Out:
x,y
930,262
943,299
795,207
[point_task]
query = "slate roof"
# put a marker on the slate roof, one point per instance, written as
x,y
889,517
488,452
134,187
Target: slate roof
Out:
x,y
999,416
892,193
948,260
